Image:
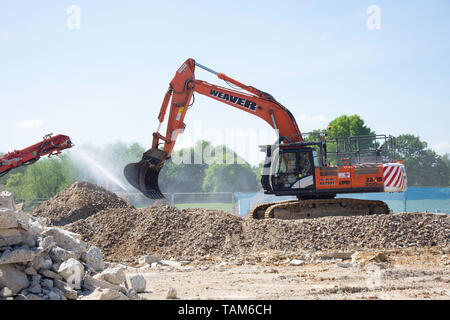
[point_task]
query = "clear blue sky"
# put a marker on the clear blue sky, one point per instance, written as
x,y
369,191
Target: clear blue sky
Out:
x,y
105,82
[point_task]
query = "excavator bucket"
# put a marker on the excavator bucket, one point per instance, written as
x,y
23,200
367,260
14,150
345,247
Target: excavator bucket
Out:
x,y
143,175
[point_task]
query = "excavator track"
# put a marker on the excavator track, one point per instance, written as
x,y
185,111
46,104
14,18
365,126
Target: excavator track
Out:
x,y
308,209
258,211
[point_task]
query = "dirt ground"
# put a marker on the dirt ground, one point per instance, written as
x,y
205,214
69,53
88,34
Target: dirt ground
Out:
x,y
417,274
221,256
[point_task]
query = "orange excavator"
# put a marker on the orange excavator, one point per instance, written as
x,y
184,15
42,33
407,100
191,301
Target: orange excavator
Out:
x,y
314,171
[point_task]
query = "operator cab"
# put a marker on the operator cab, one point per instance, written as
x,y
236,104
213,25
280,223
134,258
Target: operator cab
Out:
x,y
293,169
289,168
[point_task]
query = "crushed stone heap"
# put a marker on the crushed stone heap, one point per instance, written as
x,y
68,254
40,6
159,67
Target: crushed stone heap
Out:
x,y
50,263
124,234
78,201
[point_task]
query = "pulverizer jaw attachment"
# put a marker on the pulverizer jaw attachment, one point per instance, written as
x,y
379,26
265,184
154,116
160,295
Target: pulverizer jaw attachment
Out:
x,y
143,175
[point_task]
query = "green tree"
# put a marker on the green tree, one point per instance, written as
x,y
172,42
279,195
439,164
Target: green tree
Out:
x,y
230,178
257,170
185,171
4,178
230,173
446,159
41,180
13,183
423,166
347,126
343,127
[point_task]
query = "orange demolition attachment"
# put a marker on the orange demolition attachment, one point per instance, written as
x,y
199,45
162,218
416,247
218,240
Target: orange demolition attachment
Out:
x,y
48,146
311,170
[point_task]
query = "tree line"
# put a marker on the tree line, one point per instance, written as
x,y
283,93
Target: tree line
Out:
x,y
48,176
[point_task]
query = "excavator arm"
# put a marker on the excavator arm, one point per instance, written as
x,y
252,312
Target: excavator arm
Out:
x,y
144,174
255,102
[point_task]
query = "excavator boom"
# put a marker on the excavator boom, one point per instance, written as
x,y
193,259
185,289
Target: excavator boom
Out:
x,y
144,174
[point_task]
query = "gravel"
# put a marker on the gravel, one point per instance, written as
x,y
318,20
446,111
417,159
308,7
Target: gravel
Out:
x,y
125,234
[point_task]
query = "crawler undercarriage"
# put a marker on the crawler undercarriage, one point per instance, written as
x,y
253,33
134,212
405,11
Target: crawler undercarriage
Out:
x,y
304,209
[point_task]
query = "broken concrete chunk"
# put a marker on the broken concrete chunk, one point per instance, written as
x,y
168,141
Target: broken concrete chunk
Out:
x,y
7,200
36,278
336,255
52,295
343,265
27,239
170,263
47,284
296,262
94,258
148,259
59,254
35,228
113,275
20,255
50,274
72,271
56,266
68,292
106,294
13,278
90,283
171,294
137,282
30,271
221,264
7,219
10,237
133,295
6,292
35,288
67,240
46,243
32,296
47,265
37,262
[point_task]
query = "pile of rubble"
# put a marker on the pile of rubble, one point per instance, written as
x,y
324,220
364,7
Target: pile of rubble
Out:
x,y
190,234
385,231
123,234
78,201
49,263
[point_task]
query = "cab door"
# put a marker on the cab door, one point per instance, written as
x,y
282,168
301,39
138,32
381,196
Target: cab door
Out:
x,y
294,170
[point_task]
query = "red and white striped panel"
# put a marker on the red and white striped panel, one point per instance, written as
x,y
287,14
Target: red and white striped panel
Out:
x,y
394,177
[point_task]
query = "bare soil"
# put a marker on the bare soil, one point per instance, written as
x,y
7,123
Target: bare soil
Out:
x,y
407,274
